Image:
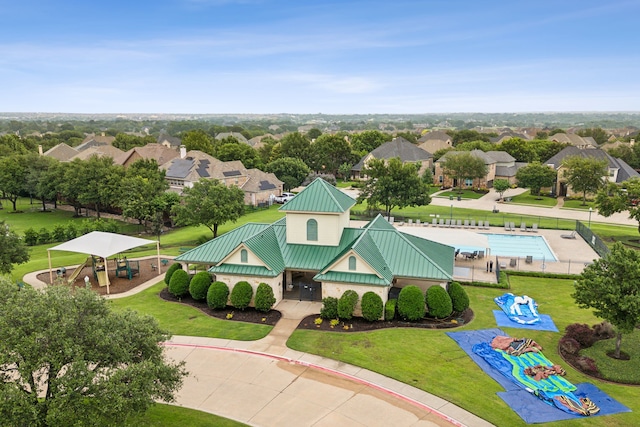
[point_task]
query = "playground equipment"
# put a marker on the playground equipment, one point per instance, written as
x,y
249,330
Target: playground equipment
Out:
x,y
99,270
130,268
74,275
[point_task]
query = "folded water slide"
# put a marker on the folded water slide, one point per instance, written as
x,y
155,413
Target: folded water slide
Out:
x,y
523,310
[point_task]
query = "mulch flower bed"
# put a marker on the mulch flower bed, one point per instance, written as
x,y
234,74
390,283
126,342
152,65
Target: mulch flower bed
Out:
x,y
249,314
358,324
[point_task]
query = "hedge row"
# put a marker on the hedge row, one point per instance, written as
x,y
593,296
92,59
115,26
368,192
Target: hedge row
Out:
x,y
61,233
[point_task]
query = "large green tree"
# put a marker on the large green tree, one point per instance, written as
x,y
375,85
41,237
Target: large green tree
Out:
x,y
328,152
142,184
13,177
535,176
584,174
501,185
12,249
368,140
66,359
393,184
289,170
615,198
463,165
209,203
611,286
297,146
198,140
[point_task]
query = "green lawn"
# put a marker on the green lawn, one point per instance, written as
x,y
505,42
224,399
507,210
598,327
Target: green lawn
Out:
x,y
433,362
465,194
577,204
176,416
181,319
527,199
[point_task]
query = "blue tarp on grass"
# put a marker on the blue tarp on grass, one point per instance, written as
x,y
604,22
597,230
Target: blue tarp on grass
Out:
x,y
545,323
526,405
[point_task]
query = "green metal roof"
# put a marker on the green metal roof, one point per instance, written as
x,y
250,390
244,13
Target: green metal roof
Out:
x,y
321,197
379,223
442,255
244,270
348,277
216,249
262,244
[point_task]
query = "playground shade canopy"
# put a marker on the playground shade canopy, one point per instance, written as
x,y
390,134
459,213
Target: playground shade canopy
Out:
x,y
102,244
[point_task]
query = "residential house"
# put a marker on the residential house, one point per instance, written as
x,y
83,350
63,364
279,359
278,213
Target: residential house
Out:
x,y
443,180
237,135
618,169
506,165
183,171
99,151
575,140
169,141
93,140
61,152
158,152
434,141
398,147
314,253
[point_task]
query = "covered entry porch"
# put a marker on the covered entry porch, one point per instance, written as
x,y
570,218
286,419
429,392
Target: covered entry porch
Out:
x,y
299,285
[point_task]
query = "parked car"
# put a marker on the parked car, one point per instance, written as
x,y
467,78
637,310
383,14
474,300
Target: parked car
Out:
x,y
284,197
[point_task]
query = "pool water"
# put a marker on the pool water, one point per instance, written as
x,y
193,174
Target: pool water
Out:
x,y
519,245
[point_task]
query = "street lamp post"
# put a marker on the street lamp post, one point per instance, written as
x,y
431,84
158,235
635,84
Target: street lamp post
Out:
x,y
590,210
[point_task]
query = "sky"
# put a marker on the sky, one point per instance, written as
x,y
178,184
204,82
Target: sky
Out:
x,y
330,57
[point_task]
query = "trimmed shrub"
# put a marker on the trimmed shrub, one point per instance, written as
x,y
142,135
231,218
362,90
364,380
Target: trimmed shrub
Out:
x,y
587,364
179,283
217,295
241,295
71,231
329,308
30,237
264,298
44,236
199,285
603,330
581,333
172,269
438,302
346,304
459,297
59,233
569,346
411,303
390,309
371,306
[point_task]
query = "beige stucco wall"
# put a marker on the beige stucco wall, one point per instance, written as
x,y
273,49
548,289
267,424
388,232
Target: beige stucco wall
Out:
x,y
333,289
235,258
330,228
343,265
254,281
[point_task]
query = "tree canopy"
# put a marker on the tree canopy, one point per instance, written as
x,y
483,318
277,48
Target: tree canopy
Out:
x,y
535,176
611,286
584,175
12,249
66,359
463,165
618,198
289,170
210,203
392,184
501,185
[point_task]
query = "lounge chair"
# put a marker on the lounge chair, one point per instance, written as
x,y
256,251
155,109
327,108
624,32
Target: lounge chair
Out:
x,y
534,227
466,223
528,259
455,254
480,254
418,222
513,226
569,236
523,227
480,225
513,262
441,223
507,226
473,223
447,223
410,222
459,224
434,221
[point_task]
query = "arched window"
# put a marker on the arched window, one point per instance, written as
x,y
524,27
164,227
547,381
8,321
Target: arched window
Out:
x,y
244,255
352,262
312,230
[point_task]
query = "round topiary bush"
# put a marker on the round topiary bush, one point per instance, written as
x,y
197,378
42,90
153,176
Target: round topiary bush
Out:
x,y
172,269
217,295
569,346
329,308
346,304
459,297
582,333
179,283
264,298
200,285
372,306
438,302
411,303
241,295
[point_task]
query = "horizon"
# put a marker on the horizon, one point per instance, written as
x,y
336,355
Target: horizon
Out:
x,y
364,57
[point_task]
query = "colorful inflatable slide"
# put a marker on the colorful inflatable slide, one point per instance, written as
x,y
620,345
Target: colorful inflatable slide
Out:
x,y
523,310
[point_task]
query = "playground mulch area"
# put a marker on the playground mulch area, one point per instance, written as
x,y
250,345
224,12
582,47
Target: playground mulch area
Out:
x,y
116,284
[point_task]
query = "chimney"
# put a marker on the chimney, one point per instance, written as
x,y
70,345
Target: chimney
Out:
x,y
40,149
183,151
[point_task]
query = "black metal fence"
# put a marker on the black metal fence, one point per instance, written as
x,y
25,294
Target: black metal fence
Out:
x,y
592,239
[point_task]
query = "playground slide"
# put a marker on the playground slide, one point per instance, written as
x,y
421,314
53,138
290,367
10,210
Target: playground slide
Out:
x,y
102,278
72,278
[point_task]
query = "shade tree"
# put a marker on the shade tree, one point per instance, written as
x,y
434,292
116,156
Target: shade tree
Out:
x,y
584,174
535,176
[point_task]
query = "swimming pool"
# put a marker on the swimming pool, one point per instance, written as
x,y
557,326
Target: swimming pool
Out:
x,y
520,245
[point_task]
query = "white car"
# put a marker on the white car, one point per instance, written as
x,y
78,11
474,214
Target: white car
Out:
x,y
284,197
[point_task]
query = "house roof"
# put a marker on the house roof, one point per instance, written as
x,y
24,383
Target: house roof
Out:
x,y
173,141
62,152
573,139
197,165
398,147
319,196
501,156
100,151
387,251
624,170
488,160
260,181
435,135
158,152
237,135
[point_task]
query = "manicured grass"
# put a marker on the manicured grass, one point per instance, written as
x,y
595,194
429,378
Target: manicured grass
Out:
x,y
465,194
527,199
161,415
431,361
180,319
627,371
577,204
